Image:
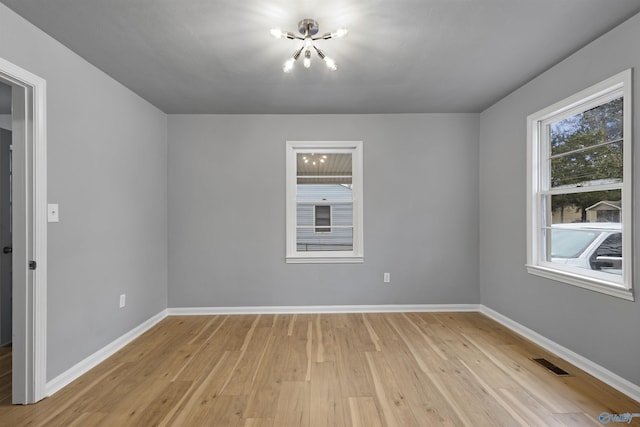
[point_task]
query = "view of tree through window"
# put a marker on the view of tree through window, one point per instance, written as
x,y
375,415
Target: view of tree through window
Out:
x,y
579,195
586,151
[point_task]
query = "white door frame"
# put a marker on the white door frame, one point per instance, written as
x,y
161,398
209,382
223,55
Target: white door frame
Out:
x,y
30,233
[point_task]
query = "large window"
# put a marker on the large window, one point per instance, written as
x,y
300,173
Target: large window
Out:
x,y
579,189
324,201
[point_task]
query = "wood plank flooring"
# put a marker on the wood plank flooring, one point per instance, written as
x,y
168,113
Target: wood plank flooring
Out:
x,y
361,370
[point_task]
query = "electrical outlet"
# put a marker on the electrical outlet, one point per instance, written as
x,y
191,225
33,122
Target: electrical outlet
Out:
x,y
123,300
387,278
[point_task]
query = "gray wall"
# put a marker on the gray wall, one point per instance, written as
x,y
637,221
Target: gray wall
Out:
x,y
107,159
601,328
227,211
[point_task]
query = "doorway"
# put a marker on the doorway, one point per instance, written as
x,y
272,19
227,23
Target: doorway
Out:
x,y
28,219
5,242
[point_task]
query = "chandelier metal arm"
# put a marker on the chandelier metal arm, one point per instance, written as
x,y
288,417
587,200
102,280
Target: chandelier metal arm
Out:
x,y
297,53
325,36
291,36
320,53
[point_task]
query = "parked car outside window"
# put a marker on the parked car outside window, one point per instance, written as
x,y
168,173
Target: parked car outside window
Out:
x,y
595,246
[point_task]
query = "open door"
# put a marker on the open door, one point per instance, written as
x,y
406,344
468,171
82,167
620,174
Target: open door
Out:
x,y
6,243
29,232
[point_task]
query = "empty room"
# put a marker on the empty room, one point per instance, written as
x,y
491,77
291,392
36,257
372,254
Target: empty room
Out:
x,y
319,213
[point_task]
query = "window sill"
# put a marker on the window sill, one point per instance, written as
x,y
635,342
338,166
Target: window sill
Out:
x,y
324,260
592,284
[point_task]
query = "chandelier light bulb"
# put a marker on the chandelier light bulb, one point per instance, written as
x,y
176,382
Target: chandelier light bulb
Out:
x,y
314,159
277,33
307,60
331,64
340,32
288,65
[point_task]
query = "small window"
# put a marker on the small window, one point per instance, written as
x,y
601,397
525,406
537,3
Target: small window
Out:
x,y
324,202
579,189
323,219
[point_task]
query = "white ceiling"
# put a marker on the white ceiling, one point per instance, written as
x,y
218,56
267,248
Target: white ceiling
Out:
x,y
401,56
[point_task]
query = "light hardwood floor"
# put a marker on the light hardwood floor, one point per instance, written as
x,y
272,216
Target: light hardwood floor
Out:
x,y
365,370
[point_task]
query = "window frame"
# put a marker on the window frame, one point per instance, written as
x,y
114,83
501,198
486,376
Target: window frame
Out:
x,y
538,183
356,255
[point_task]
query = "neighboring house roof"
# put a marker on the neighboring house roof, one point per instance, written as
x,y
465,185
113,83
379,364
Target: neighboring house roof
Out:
x,y
323,191
606,205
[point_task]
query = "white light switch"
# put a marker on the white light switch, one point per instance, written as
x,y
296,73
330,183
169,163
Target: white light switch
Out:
x,y
53,213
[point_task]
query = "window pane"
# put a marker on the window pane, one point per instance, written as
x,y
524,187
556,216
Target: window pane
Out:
x,y
329,168
339,239
594,166
591,249
570,243
586,231
593,206
591,127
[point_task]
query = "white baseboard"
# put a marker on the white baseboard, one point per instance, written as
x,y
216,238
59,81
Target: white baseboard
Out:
x,y
99,356
321,309
622,385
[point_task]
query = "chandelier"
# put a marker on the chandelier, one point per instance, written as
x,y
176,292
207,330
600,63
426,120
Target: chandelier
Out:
x,y
314,159
308,28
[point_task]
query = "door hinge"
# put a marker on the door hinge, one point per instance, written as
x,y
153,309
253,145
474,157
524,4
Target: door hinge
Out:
x,y
32,265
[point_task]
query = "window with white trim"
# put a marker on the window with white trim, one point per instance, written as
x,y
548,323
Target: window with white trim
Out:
x,y
324,202
579,201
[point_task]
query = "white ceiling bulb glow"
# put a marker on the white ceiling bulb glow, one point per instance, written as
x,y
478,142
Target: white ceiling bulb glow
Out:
x,y
340,32
277,33
309,30
288,65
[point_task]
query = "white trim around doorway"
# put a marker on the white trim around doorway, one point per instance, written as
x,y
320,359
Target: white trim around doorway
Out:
x,y
29,375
